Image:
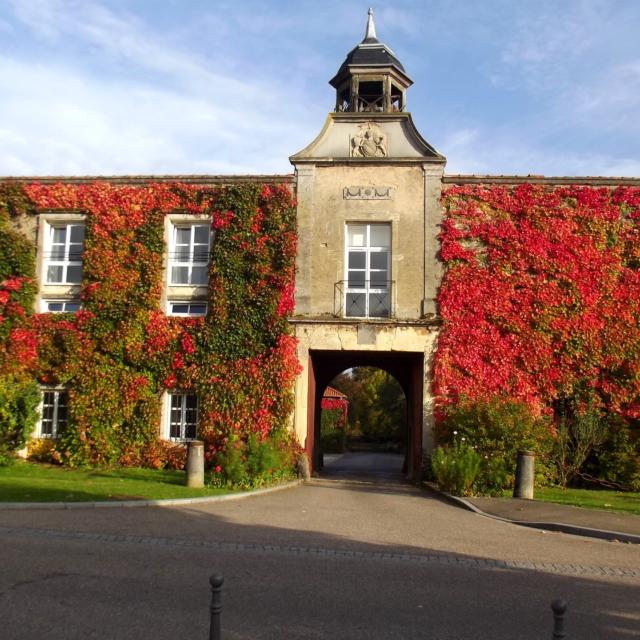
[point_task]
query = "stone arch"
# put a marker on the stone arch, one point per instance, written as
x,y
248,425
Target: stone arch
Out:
x,y
406,367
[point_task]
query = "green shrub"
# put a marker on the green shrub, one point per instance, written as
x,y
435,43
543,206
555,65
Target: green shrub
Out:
x,y
497,429
255,462
333,433
616,462
581,428
455,468
18,414
232,462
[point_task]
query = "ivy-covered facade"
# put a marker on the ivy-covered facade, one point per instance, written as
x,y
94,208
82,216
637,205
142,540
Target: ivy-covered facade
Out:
x,y
139,313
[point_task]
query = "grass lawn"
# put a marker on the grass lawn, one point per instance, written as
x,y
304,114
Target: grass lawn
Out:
x,y
592,498
30,482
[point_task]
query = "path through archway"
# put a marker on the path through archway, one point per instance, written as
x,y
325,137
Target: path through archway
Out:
x,y
406,367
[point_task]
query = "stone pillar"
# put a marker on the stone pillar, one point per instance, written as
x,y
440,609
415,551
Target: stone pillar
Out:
x,y
195,464
524,475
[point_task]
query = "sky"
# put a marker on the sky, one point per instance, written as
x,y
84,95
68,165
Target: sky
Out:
x,y
122,87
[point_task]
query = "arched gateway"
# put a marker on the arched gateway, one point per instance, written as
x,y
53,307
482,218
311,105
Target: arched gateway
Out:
x,y
368,191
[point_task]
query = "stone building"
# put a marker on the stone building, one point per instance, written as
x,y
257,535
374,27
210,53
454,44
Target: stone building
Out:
x,y
368,190
368,270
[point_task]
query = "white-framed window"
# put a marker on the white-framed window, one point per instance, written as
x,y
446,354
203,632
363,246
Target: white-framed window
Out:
x,y
54,413
61,306
64,246
186,308
189,254
183,417
367,293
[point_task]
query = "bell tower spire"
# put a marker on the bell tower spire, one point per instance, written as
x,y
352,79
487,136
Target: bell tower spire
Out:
x,y
370,32
371,79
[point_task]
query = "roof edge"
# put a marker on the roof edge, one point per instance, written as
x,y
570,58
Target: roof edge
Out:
x,y
604,181
148,179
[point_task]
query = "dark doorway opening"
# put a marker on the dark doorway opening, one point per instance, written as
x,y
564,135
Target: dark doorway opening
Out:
x,y
406,368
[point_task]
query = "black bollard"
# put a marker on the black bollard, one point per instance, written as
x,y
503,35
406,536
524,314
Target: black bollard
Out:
x,y
559,608
216,581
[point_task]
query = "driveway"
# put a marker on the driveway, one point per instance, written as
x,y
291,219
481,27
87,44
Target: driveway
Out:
x,y
332,558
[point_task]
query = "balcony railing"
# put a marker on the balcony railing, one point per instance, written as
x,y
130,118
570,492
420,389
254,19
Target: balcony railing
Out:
x,y
363,299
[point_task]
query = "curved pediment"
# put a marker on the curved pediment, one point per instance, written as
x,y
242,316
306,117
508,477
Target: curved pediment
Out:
x,y
362,137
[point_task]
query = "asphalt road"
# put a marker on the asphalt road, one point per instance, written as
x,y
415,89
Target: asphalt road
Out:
x,y
330,559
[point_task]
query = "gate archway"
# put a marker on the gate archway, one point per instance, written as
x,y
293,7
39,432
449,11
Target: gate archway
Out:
x,y
406,367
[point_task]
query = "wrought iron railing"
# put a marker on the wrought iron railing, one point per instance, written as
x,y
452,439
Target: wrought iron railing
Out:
x,y
363,298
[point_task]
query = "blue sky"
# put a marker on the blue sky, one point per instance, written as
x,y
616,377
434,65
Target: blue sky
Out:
x,y
95,87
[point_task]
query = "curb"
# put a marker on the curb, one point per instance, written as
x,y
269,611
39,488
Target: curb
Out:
x,y
573,529
121,504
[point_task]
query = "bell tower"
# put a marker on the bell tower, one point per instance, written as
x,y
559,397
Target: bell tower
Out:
x,y
368,192
371,79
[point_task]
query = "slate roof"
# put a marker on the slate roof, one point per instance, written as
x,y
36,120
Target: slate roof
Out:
x,y
370,52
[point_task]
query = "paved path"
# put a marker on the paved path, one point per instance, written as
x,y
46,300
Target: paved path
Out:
x,y
333,558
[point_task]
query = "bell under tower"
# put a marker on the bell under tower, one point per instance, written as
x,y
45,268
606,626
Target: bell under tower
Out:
x,y
371,79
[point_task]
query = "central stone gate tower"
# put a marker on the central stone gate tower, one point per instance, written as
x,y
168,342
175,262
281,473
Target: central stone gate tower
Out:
x,y
368,190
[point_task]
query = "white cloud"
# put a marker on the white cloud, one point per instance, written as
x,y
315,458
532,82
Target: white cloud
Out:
x,y
69,120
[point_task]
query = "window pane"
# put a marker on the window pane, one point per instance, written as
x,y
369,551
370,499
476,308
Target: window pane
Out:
x,y
74,274
77,233
199,276
378,279
183,235
198,310
179,275
355,304
201,254
54,273
379,306
191,401
357,235
379,259
201,234
55,306
190,431
59,235
356,280
182,309
357,260
57,252
380,235
72,306
62,418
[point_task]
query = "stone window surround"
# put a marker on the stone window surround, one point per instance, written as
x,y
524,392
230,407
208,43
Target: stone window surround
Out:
x,y
368,250
165,424
57,391
53,291
181,293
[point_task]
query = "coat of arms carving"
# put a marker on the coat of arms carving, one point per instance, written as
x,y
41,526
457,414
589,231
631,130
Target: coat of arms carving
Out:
x,y
369,142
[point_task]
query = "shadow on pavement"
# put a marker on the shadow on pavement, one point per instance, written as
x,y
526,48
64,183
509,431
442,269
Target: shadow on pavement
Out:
x,y
143,572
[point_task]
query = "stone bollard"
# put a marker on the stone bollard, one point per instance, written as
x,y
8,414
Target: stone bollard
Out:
x,y
524,475
195,464
302,465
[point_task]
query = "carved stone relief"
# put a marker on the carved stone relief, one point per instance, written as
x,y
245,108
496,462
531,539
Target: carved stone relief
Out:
x,y
369,142
367,193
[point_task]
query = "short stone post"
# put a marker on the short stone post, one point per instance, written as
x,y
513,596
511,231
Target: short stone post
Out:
x,y
195,464
302,464
559,608
215,630
524,475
